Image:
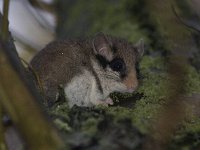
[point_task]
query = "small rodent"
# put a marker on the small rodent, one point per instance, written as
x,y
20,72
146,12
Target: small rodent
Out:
x,y
89,69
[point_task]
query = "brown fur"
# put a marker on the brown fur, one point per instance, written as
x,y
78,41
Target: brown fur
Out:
x,y
61,61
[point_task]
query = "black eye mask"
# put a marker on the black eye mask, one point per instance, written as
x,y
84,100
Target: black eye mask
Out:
x,y
102,60
118,65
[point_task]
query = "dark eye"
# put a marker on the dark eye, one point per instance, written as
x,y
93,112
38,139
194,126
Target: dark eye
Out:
x,y
117,64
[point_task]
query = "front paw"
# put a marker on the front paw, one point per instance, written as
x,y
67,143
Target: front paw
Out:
x,y
106,102
109,101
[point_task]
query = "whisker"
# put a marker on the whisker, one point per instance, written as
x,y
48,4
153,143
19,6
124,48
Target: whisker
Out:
x,y
110,75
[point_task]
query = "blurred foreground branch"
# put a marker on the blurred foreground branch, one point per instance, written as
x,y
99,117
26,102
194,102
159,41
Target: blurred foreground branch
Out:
x,y
2,140
18,98
4,26
179,42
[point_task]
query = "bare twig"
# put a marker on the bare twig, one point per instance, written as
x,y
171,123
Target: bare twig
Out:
x,y
192,25
38,81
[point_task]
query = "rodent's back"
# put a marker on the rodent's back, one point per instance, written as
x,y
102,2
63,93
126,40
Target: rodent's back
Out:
x,y
60,61
110,61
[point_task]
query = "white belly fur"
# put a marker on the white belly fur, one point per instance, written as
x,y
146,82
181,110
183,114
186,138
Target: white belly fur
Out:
x,y
82,90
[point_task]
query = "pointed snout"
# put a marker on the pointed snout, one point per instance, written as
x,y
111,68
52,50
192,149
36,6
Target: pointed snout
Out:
x,y
131,82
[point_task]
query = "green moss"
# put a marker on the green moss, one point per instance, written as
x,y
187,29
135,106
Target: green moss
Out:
x,y
60,110
102,127
87,122
90,126
193,80
61,125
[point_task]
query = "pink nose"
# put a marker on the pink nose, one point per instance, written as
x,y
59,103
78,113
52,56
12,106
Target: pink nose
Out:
x,y
131,81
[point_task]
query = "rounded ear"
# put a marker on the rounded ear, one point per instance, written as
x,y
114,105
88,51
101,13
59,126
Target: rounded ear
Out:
x,y
102,47
140,48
